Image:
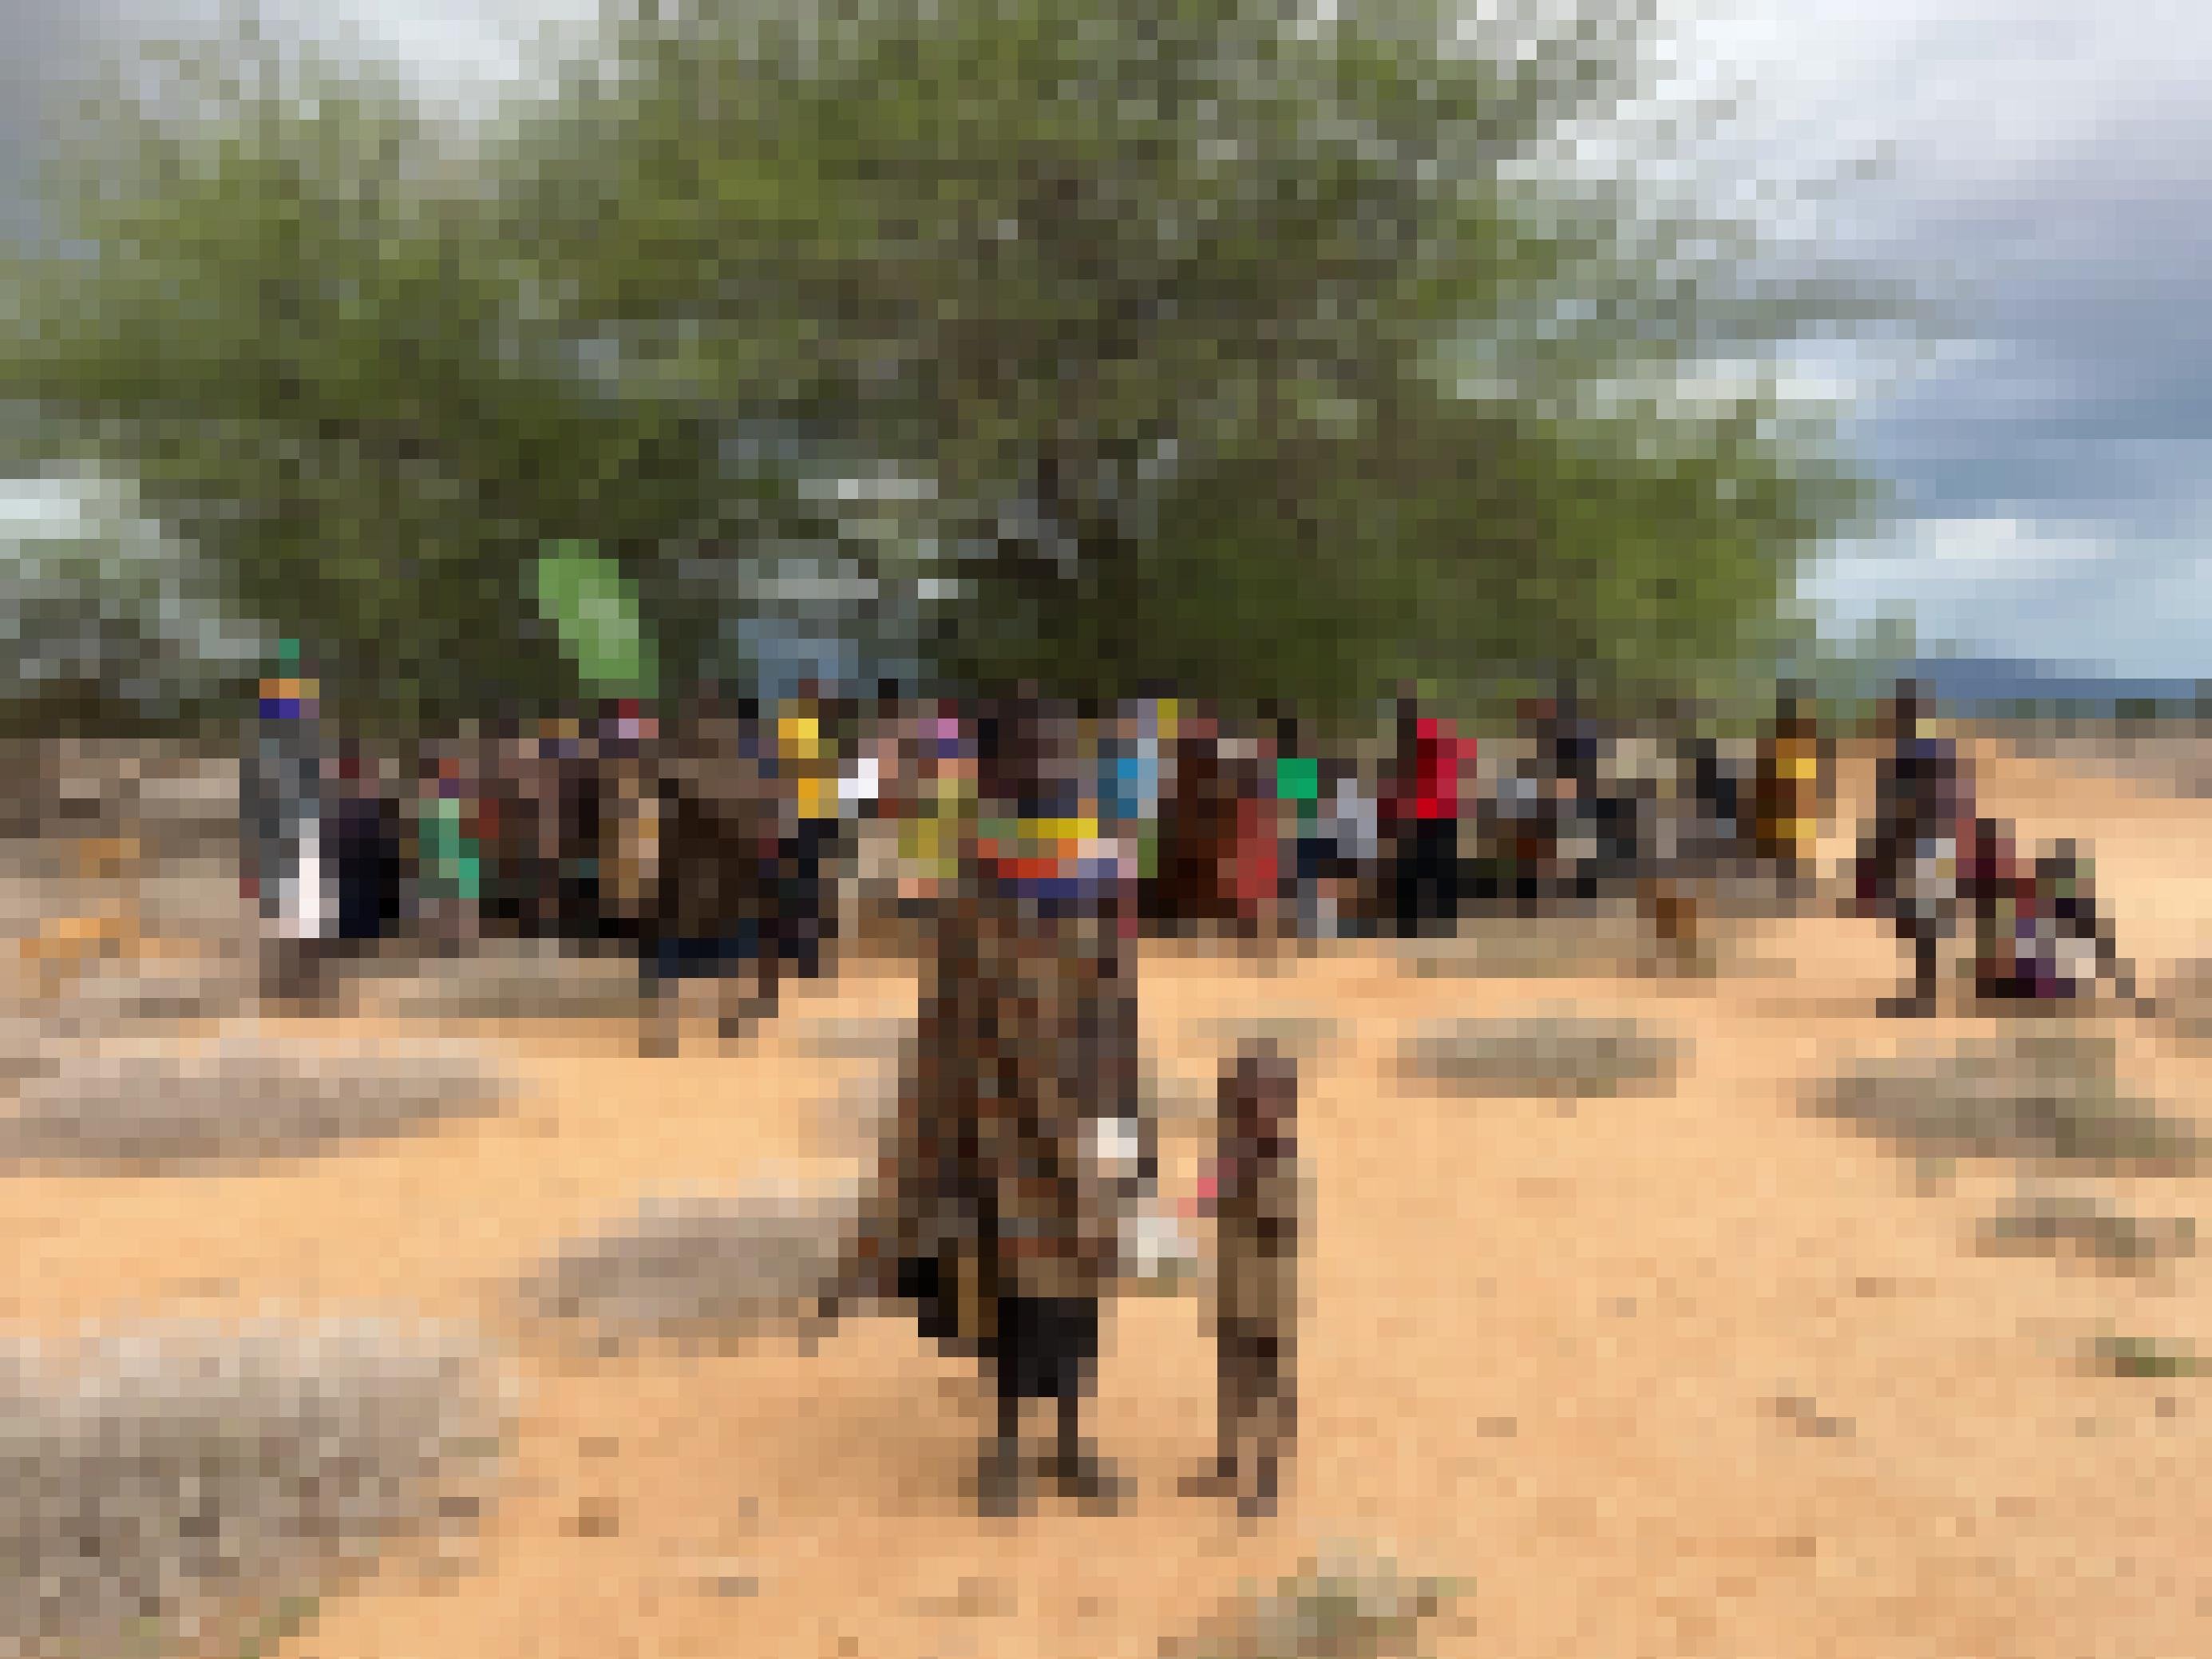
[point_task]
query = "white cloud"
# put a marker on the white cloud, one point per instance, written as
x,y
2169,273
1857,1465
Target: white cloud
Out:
x,y
2020,587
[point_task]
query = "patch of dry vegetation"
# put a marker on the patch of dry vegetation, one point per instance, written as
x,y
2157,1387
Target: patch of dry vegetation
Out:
x,y
704,1272
2185,1000
2089,1229
2034,1097
169,1487
528,979
149,1103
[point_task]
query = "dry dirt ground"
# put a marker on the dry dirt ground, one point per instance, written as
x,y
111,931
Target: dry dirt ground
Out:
x,y
1684,1373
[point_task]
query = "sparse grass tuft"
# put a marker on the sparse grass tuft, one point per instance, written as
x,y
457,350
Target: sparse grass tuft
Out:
x,y
2184,1002
292,1615
1338,1610
518,980
2144,1356
2094,1229
1564,1057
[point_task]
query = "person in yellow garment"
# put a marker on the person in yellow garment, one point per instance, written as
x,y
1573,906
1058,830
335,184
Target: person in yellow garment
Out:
x,y
807,759
1790,791
943,795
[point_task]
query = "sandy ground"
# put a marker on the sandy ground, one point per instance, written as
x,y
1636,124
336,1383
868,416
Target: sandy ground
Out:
x,y
1684,1374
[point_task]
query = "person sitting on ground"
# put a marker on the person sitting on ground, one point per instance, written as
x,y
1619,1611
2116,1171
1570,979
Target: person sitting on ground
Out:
x,y
2040,937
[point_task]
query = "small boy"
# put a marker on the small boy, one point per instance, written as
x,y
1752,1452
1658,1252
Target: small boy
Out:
x,y
1255,1192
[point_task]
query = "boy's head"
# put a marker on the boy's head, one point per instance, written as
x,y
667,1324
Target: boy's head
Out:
x,y
1259,1094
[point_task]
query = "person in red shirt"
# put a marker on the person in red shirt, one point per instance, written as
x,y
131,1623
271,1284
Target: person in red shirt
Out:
x,y
1421,815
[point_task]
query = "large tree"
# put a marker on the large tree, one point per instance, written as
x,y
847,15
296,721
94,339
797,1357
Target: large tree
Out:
x,y
1174,306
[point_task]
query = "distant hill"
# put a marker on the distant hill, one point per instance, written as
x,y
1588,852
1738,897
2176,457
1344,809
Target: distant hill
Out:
x,y
1972,686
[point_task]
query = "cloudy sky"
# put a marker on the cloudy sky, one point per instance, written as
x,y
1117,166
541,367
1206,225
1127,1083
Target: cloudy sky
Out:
x,y
2048,184
2051,188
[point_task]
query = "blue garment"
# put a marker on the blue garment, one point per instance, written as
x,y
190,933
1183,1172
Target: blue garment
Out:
x,y
1129,787
703,958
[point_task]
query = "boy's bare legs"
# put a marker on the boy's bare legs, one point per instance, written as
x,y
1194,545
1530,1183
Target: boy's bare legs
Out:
x,y
1276,1421
1075,1467
1237,1404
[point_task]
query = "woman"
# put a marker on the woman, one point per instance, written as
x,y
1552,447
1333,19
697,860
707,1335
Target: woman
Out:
x,y
1019,1148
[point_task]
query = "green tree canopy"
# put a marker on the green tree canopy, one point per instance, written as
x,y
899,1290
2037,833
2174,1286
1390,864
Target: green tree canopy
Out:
x,y
1174,305
279,300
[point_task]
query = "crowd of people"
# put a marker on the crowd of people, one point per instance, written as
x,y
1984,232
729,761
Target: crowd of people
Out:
x,y
726,844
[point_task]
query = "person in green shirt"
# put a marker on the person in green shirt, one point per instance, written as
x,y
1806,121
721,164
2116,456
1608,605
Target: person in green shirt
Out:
x,y
449,861
1297,788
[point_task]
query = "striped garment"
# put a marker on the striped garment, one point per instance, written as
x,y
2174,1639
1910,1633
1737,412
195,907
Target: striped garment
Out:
x,y
1007,1158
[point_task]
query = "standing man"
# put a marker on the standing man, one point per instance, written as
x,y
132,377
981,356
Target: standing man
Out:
x,y
364,843
1908,870
1421,815
1193,876
449,863
807,761
1297,790
281,798
1353,827
1788,791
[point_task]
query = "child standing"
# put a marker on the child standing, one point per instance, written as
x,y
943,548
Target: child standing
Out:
x,y
1254,1191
